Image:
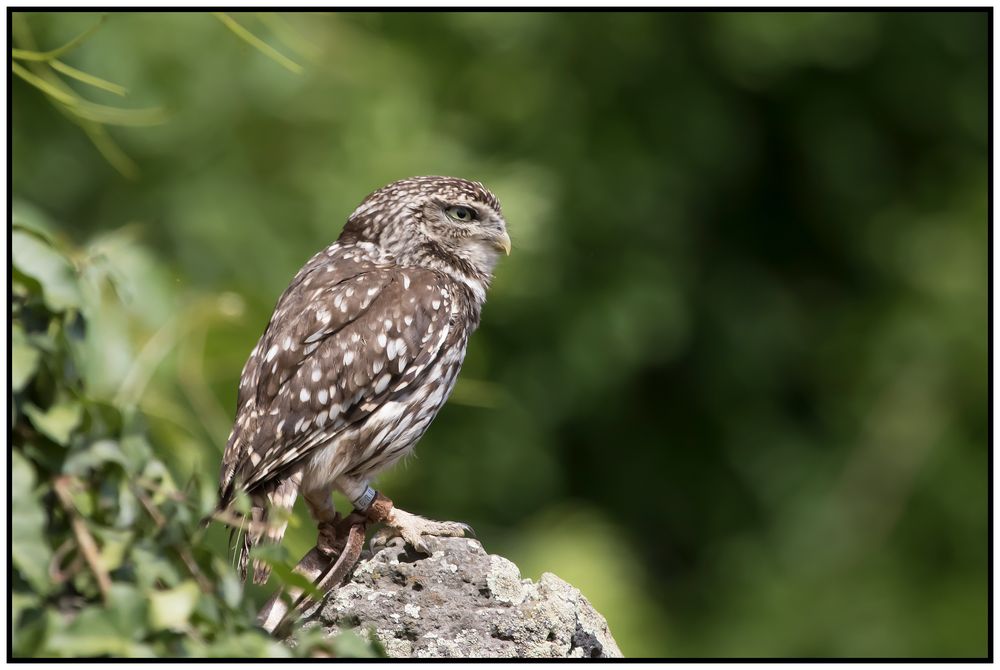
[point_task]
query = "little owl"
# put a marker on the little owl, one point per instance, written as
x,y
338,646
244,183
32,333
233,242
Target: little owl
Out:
x,y
361,352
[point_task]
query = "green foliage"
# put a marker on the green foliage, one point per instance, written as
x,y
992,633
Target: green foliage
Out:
x,y
42,70
109,558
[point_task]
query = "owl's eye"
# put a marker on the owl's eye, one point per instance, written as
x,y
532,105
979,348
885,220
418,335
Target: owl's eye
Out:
x,y
460,213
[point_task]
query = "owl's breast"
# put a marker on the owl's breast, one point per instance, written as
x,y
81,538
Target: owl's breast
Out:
x,y
393,430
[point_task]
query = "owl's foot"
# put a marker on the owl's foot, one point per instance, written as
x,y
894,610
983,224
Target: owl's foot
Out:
x,y
411,529
329,541
337,550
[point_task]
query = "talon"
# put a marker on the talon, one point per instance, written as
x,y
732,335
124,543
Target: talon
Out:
x,y
328,541
411,530
385,538
377,542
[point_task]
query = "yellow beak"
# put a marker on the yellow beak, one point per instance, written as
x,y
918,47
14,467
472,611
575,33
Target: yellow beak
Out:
x,y
503,242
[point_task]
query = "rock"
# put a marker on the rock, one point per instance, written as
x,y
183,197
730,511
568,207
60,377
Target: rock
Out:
x,y
463,602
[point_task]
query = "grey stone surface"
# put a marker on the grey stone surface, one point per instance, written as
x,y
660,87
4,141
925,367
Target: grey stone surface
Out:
x,y
463,602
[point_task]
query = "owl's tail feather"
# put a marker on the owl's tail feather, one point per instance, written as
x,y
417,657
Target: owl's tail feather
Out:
x,y
267,523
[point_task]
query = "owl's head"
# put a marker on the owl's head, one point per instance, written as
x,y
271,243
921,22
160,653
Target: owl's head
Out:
x,y
434,221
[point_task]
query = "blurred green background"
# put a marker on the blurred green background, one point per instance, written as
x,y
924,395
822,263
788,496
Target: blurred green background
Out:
x,y
731,382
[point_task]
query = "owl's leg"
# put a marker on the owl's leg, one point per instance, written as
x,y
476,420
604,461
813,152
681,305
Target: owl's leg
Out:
x,y
337,551
398,523
322,509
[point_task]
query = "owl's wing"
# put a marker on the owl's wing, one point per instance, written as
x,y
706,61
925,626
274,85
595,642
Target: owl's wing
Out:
x,y
344,339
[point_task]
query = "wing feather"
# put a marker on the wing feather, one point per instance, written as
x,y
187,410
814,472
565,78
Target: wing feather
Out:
x,y
346,337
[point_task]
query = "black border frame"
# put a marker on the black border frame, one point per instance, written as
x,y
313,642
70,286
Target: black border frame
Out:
x,y
987,9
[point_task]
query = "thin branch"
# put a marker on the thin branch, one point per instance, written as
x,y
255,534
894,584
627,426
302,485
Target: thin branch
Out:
x,y
192,566
57,574
151,509
45,79
86,78
288,35
44,86
84,540
108,148
119,116
90,111
258,43
32,55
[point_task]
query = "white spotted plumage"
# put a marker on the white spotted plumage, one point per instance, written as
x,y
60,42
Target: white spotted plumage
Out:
x,y
361,352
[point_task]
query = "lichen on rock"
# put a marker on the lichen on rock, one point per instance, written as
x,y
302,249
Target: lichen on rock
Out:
x,y
463,602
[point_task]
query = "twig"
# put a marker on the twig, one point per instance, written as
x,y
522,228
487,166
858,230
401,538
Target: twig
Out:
x,y
84,540
182,551
192,566
56,573
276,616
239,522
258,43
150,507
88,78
33,55
154,487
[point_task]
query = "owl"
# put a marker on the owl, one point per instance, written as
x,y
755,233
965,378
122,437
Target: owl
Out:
x,y
361,352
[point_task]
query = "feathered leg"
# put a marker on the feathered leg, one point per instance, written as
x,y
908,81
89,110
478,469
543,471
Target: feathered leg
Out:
x,y
338,547
398,523
269,519
322,509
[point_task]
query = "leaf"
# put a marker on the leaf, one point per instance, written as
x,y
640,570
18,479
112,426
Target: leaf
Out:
x,y
83,498
30,552
128,610
272,554
250,644
23,364
114,546
137,450
93,633
58,422
288,577
128,505
152,568
19,602
348,644
31,217
33,630
229,585
171,609
38,260
93,456
47,456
